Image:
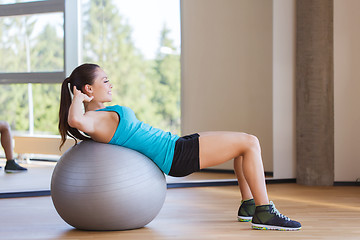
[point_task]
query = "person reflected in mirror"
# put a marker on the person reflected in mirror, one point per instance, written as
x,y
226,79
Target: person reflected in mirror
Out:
x,y
7,143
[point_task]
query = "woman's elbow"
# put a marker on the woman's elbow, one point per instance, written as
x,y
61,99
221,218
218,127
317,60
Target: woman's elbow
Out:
x,y
80,124
74,123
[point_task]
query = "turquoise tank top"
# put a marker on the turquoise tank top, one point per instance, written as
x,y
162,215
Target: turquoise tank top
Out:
x,y
154,143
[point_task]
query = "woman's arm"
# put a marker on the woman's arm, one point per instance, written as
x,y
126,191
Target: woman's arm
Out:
x,y
77,119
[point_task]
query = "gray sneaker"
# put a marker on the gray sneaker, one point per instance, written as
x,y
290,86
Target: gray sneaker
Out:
x,y
267,217
246,210
12,167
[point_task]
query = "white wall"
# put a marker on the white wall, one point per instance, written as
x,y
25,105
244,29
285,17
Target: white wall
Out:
x,y
347,89
284,46
227,69
346,85
238,74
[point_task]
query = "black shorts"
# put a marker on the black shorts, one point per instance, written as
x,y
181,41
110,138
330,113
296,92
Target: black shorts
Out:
x,y
186,156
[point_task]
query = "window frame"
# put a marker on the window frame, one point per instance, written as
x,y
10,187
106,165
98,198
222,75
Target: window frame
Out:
x,y
72,35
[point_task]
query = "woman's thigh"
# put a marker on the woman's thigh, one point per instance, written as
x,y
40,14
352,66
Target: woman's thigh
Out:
x,y
219,147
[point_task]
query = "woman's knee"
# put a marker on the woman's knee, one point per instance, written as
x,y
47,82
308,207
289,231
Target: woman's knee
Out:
x,y
252,143
4,126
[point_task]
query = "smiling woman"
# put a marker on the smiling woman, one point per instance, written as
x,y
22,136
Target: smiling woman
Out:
x,y
174,155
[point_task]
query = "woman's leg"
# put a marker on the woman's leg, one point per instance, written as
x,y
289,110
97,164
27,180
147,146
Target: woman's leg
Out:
x,y
243,185
219,147
6,140
7,144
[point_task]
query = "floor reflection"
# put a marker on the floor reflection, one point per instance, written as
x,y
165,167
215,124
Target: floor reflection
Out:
x,y
38,177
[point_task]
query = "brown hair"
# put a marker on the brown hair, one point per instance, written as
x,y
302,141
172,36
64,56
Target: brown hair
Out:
x,y
81,76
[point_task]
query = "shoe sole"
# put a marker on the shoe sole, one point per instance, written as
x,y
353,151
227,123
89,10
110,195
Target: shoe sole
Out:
x,y
14,171
244,219
269,227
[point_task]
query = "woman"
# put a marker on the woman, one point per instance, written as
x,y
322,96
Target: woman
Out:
x,y
174,155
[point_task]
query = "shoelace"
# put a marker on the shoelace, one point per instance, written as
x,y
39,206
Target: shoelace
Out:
x,y
277,213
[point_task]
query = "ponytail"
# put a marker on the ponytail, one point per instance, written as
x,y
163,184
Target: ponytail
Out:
x,y
64,127
82,75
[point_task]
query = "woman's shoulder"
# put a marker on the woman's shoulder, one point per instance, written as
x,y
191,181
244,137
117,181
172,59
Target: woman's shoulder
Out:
x,y
110,108
119,109
102,115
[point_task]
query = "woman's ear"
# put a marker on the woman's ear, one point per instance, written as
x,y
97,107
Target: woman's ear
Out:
x,y
88,89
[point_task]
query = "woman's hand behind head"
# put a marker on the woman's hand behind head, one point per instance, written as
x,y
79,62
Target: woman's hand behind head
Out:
x,y
81,96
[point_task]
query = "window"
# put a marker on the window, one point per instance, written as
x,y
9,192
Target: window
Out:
x,y
17,101
17,1
32,42
137,43
31,51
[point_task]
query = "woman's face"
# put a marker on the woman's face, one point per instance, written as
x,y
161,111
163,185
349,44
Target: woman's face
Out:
x,y
101,88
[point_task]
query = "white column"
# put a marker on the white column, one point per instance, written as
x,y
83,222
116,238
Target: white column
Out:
x,y
283,89
72,35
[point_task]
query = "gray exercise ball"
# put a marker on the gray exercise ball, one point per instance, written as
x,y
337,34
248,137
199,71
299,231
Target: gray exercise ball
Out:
x,y
97,186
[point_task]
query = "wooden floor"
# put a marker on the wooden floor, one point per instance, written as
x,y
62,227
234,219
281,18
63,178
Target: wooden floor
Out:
x,y
201,213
